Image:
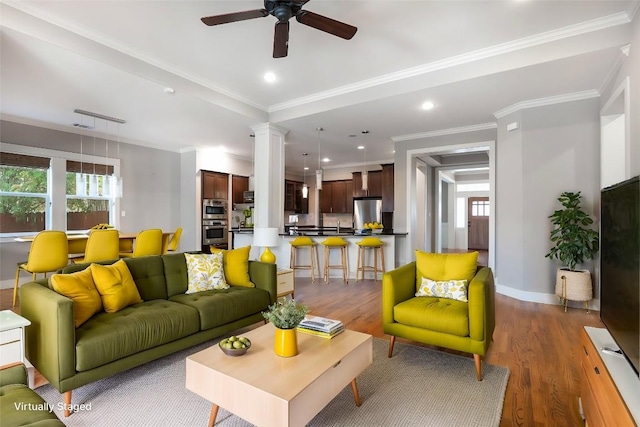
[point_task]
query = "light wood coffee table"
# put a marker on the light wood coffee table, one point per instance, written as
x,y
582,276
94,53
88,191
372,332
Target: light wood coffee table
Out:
x,y
268,390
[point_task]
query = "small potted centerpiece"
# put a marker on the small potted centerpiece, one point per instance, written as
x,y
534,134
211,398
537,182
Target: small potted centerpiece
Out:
x,y
285,316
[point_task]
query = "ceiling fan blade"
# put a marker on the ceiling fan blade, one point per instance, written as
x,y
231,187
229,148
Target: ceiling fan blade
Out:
x,y
281,39
327,25
234,17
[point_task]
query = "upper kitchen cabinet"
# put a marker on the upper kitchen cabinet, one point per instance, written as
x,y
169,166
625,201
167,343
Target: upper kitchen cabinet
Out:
x,y
387,188
336,196
215,185
374,184
293,200
239,184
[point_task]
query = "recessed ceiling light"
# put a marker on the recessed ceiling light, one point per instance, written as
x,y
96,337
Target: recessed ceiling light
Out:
x,y
326,159
169,90
360,147
428,105
270,77
306,168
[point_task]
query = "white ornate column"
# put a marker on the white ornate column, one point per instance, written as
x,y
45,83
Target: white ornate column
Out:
x,y
269,175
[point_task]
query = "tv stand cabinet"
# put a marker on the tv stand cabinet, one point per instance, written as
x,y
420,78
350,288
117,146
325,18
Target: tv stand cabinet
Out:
x,y
609,385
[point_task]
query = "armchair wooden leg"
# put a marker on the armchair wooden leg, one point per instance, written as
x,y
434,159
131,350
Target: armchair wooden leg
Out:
x,y
67,403
478,360
392,341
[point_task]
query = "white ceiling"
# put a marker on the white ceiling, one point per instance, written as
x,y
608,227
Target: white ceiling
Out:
x,y
471,58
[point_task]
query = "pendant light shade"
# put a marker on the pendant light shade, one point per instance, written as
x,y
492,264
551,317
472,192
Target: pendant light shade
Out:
x,y
305,189
365,180
319,170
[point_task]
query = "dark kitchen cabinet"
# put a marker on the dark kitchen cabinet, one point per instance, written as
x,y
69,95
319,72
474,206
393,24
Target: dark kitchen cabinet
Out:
x,y
336,196
293,200
215,185
387,188
374,184
239,184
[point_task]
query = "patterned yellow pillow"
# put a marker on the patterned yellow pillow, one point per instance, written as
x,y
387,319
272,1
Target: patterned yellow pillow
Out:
x,y
451,289
80,288
206,272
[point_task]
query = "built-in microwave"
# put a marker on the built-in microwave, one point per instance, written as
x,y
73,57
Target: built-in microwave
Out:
x,y
214,232
214,209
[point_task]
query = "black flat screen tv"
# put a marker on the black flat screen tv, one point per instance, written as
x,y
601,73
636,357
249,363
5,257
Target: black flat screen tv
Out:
x,y
620,266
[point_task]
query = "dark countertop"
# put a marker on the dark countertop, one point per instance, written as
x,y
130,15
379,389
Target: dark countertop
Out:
x,y
321,231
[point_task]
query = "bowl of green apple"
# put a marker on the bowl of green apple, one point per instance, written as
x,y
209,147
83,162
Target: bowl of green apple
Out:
x,y
235,346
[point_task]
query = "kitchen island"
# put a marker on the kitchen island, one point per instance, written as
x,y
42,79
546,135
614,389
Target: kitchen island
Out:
x,y
244,237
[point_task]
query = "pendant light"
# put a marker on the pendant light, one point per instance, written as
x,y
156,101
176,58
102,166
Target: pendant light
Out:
x,y
81,184
319,170
93,180
305,189
365,173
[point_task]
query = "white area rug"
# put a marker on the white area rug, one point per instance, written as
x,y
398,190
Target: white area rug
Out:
x,y
417,387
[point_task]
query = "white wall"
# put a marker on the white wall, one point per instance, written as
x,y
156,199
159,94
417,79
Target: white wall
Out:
x,y
556,149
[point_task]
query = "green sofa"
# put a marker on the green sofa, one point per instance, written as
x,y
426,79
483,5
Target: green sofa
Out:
x,y
19,405
462,326
168,320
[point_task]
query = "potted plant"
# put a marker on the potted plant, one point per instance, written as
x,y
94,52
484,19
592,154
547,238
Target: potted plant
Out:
x,y
574,242
285,316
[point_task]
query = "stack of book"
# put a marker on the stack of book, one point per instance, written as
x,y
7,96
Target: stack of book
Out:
x,y
321,327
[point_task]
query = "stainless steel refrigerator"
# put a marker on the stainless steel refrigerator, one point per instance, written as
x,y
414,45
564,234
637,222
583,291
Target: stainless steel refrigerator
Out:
x,y
366,209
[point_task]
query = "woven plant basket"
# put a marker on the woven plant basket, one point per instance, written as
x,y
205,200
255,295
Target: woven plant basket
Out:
x,y
574,285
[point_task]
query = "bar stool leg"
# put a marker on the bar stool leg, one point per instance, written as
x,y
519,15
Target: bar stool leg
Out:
x,y
313,278
375,264
315,251
382,258
326,264
345,270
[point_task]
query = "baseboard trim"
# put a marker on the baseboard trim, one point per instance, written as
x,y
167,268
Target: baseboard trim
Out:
x,y
542,298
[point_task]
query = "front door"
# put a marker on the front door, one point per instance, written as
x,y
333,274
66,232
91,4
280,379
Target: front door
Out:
x,y
478,212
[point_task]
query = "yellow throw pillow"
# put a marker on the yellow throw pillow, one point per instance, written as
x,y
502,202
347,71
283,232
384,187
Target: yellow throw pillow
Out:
x,y
80,288
236,266
205,272
451,289
115,285
440,267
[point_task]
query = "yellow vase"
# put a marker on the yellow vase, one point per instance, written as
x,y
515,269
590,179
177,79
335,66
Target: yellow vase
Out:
x,y
286,342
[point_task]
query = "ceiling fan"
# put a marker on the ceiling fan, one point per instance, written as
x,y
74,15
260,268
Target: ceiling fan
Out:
x,y
285,10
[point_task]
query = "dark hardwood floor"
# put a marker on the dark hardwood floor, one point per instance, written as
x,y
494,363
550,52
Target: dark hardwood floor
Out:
x,y
539,344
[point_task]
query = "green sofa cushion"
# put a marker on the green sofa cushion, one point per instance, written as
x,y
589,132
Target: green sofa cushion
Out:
x,y
111,336
434,314
148,274
221,306
175,271
27,413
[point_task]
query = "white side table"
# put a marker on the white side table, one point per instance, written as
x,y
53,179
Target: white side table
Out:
x,y
12,341
286,283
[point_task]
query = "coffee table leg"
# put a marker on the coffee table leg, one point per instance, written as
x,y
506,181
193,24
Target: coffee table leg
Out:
x,y
214,414
356,394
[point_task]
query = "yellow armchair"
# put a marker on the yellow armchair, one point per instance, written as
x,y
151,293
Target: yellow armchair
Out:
x,y
459,325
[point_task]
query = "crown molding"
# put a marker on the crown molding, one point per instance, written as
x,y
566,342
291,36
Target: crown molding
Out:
x,y
551,100
625,49
442,132
476,55
612,72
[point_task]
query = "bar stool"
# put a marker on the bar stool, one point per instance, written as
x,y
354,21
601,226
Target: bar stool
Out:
x,y
335,243
370,243
302,242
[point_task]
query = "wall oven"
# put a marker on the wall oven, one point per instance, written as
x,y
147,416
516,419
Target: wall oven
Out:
x,y
214,209
214,232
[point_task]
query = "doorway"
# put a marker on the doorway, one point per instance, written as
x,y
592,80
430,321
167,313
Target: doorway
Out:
x,y
478,223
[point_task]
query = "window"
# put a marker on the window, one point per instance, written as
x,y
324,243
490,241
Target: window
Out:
x,y
479,186
38,186
460,212
479,208
24,195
